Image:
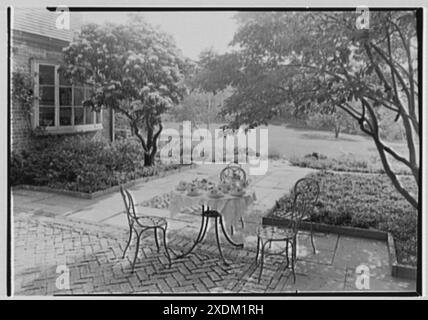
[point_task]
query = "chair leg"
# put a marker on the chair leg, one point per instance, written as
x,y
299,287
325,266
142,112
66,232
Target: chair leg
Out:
x,y
262,258
258,250
165,246
136,250
286,254
155,230
312,240
128,243
293,258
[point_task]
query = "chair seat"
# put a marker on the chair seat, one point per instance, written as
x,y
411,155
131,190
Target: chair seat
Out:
x,y
274,233
151,221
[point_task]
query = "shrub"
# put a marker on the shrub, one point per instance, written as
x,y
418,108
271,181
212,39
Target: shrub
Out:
x,y
81,164
346,163
274,154
364,201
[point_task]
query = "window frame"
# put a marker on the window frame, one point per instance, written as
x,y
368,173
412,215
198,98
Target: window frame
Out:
x,y
57,128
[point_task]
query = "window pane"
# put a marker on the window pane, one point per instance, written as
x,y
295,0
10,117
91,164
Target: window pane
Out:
x,y
65,96
63,81
98,117
65,116
46,74
47,95
89,116
78,116
78,96
46,116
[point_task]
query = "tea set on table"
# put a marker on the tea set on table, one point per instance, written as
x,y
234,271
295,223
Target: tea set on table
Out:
x,y
197,187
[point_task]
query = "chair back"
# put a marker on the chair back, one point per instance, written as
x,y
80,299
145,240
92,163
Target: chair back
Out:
x,y
306,193
233,172
129,204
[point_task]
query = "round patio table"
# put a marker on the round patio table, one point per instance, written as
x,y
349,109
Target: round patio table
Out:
x,y
230,208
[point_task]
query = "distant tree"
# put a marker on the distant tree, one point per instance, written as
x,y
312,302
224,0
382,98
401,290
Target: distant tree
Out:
x,y
314,60
134,69
337,121
201,107
206,96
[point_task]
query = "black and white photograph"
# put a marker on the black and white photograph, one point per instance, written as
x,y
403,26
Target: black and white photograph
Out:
x,y
214,151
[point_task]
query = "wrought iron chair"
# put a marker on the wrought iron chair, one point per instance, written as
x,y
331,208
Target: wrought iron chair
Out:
x,y
305,195
233,171
141,223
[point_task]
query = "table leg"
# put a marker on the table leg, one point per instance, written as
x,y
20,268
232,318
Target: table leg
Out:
x,y
239,245
218,240
206,215
200,237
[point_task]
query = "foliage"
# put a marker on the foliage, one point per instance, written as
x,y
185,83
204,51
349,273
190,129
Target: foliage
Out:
x,y
321,61
22,90
337,121
346,163
81,164
23,94
199,107
134,69
365,201
215,72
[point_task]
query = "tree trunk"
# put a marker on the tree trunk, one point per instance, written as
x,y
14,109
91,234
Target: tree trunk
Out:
x,y
336,132
148,159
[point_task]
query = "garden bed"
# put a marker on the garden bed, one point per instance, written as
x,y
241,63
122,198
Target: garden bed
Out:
x,y
366,202
84,167
346,163
93,195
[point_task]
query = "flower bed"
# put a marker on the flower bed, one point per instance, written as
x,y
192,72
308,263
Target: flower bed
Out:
x,y
81,164
362,201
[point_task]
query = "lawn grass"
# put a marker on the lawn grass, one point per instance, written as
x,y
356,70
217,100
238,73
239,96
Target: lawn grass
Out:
x,y
287,141
365,201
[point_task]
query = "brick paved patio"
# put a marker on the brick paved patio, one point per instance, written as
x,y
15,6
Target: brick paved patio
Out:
x,y
93,255
88,237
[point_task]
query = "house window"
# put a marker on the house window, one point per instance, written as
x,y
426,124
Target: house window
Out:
x,y
59,106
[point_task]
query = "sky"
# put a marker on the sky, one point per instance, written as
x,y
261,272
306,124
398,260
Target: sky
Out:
x,y
193,31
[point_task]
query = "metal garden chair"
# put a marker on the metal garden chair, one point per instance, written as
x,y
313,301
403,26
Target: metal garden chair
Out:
x,y
138,224
305,195
233,171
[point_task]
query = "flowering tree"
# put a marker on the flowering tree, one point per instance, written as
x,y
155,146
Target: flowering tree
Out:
x,y
134,69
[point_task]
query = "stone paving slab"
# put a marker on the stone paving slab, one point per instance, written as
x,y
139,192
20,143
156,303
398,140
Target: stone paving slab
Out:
x,y
378,281
352,252
316,277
